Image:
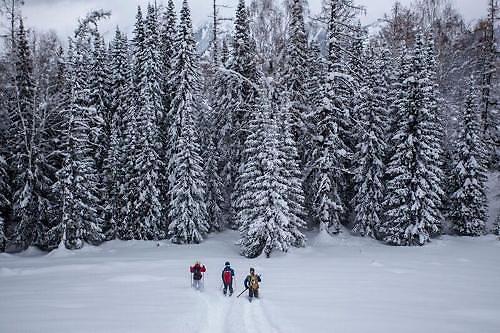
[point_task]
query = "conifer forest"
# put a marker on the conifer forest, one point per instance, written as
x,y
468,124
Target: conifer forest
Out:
x,y
285,123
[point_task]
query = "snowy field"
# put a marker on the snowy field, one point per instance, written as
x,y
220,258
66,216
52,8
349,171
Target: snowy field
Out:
x,y
346,284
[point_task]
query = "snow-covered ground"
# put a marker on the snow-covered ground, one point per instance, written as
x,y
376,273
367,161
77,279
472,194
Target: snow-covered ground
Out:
x,y
346,284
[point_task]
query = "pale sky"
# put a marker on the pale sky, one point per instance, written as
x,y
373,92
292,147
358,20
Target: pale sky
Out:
x,y
62,15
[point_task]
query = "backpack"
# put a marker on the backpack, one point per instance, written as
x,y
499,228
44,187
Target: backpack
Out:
x,y
254,282
197,273
227,276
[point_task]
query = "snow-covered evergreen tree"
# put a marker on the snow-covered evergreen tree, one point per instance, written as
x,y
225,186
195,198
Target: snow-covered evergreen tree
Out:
x,y
291,171
488,75
349,90
243,62
131,147
235,91
188,211
31,188
316,76
398,75
100,92
214,197
433,130
167,40
211,157
168,37
116,161
414,192
356,68
296,73
148,222
100,96
317,67
468,202
138,53
78,181
24,120
330,154
266,220
369,156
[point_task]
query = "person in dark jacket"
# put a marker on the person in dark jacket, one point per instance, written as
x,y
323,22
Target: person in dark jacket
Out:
x,y
197,271
252,284
227,278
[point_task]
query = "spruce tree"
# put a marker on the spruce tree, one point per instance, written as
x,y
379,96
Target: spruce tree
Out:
x,y
344,48
168,35
24,146
369,156
235,92
214,183
214,198
315,84
78,181
188,211
356,68
243,62
433,130
396,94
291,170
316,75
138,53
128,229
100,97
100,92
243,56
488,64
32,172
330,153
167,40
148,223
414,193
296,72
266,220
468,202
116,162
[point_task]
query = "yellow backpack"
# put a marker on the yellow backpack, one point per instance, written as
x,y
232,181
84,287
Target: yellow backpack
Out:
x,y
254,282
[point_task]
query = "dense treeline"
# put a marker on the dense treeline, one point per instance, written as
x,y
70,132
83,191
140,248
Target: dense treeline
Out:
x,y
313,123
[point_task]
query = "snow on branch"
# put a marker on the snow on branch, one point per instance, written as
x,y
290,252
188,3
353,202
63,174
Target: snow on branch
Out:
x,y
89,24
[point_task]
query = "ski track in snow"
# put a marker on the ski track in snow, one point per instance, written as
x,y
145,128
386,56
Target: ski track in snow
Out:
x,y
257,320
231,314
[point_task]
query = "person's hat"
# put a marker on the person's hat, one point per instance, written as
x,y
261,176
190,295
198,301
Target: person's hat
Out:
x,y
227,263
252,270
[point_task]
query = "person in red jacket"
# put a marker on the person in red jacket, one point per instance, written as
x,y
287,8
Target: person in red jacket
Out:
x,y
227,278
197,271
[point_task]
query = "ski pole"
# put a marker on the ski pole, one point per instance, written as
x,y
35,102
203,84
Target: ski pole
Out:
x,y
242,292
